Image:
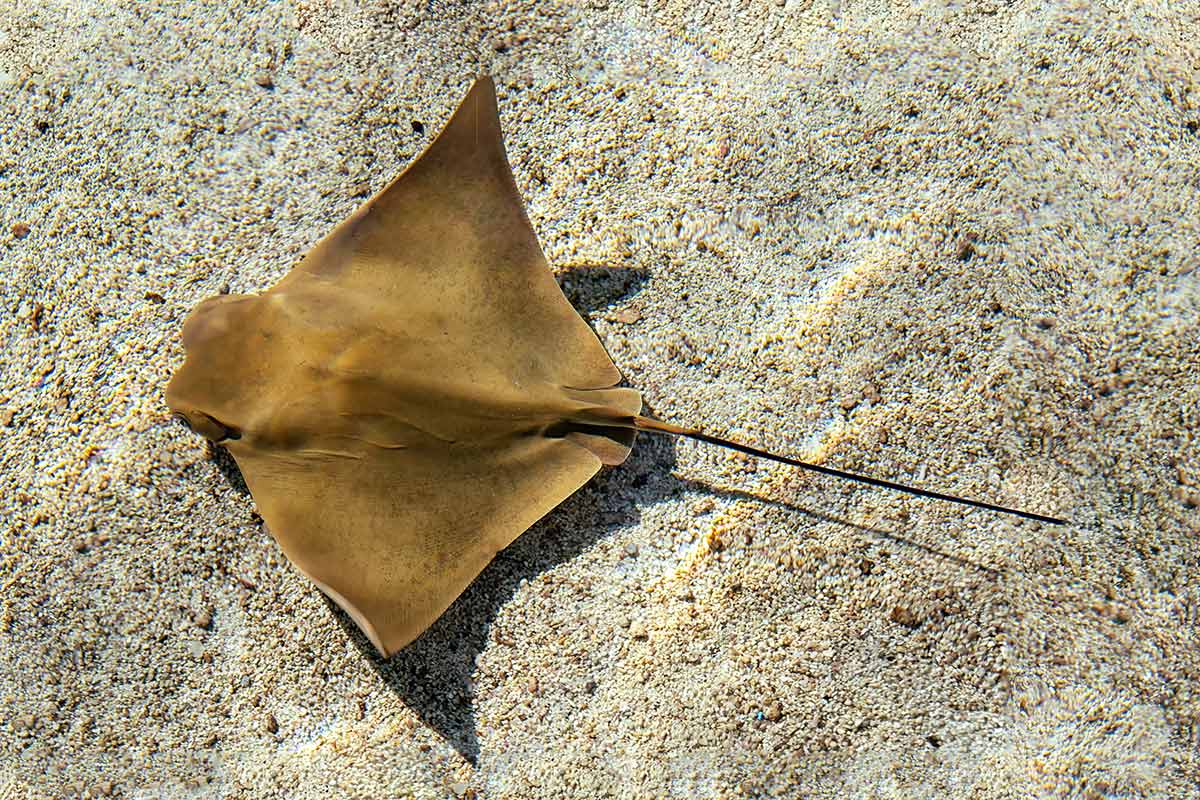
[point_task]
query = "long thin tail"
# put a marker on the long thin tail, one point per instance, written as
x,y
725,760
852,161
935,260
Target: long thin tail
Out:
x,y
657,426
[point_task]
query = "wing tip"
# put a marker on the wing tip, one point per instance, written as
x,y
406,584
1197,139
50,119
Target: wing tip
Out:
x,y
385,649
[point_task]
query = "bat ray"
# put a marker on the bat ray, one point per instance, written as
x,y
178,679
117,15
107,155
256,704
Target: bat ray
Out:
x,y
417,391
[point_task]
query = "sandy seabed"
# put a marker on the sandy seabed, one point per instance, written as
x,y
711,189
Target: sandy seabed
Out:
x,y
948,243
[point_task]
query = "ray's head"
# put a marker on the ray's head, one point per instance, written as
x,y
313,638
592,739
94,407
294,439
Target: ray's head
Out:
x,y
205,394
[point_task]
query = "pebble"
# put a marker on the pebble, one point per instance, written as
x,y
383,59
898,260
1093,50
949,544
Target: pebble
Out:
x,y
966,250
203,620
638,631
270,724
88,542
264,79
774,712
6,417
532,684
631,550
20,230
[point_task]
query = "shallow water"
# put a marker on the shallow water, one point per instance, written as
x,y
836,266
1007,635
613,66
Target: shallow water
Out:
x,y
949,243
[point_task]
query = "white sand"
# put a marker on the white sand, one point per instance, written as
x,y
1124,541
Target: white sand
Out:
x,y
955,244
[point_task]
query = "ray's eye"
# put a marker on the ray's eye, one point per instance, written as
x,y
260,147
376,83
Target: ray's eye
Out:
x,y
207,426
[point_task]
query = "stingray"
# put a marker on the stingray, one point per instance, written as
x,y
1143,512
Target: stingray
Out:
x,y
418,391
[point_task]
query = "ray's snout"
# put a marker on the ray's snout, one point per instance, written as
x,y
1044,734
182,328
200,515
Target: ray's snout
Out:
x,y
201,394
